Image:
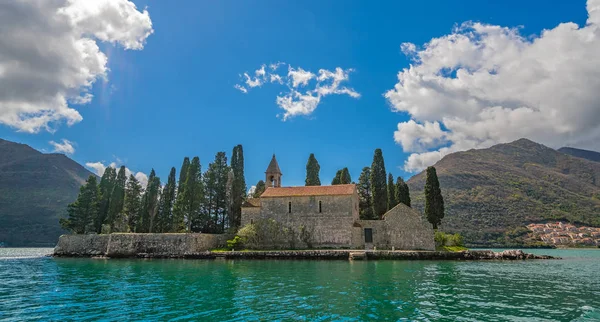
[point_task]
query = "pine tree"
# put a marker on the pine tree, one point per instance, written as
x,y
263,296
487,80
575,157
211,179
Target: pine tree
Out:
x,y
260,188
378,185
133,202
164,222
345,176
83,212
215,194
364,194
239,185
337,179
106,186
312,171
392,196
150,203
402,192
117,197
434,202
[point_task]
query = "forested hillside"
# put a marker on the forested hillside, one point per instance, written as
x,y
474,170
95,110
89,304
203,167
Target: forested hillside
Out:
x,y
35,189
491,194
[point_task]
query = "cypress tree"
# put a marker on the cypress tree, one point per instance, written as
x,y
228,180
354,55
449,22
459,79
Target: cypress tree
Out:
x,y
215,194
402,192
183,173
312,171
164,222
238,193
378,185
133,203
337,179
345,176
392,201
364,194
117,197
434,203
229,196
193,196
150,203
260,188
178,207
107,183
83,212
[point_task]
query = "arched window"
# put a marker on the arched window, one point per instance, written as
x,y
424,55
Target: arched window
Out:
x,y
320,208
289,207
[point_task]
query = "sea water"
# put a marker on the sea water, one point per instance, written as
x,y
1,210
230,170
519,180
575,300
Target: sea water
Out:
x,y
35,287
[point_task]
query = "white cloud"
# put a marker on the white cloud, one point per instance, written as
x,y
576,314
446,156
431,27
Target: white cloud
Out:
x,y
415,137
276,79
251,191
276,65
65,146
240,88
301,97
485,84
256,81
299,77
296,103
49,57
100,167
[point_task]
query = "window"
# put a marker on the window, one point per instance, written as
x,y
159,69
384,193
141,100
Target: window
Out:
x,y
320,208
289,207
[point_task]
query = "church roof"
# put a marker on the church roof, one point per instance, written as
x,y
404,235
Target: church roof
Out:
x,y
251,202
336,190
273,166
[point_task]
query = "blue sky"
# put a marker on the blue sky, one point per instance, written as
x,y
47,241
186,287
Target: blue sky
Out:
x,y
176,97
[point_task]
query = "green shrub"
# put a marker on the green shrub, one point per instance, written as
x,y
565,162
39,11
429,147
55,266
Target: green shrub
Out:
x,y
443,239
235,243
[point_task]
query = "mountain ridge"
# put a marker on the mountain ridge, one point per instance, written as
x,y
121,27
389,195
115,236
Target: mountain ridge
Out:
x,y
581,153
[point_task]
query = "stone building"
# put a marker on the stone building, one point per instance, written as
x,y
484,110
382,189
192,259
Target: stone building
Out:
x,y
329,216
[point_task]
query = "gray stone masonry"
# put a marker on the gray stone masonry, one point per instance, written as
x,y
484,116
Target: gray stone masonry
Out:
x,y
139,245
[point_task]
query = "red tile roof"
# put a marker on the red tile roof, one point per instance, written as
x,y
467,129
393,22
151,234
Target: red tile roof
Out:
x,y
336,190
251,202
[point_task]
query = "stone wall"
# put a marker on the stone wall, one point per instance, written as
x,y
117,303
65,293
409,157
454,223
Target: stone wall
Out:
x,y
332,227
139,245
249,214
401,228
81,245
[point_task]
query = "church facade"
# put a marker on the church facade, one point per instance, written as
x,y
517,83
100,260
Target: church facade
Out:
x,y
328,217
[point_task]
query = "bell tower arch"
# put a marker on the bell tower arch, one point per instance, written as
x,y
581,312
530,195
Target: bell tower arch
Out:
x,y
273,174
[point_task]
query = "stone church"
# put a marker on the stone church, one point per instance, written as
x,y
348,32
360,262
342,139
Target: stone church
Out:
x,y
331,215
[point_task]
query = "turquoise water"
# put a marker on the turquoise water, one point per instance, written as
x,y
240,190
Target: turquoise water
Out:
x,y
41,288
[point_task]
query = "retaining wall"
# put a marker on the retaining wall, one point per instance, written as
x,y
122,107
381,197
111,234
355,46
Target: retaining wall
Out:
x,y
140,245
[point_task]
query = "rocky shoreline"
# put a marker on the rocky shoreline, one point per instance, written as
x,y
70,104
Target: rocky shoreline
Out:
x,y
198,246
383,255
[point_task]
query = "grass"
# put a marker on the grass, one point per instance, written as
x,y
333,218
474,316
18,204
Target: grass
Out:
x,y
451,248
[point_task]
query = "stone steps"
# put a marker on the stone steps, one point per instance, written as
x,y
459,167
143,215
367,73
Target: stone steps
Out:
x,y
357,256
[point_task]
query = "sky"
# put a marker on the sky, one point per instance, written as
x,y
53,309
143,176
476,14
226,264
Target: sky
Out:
x,y
147,82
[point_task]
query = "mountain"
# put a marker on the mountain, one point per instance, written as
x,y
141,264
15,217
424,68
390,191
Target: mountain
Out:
x,y
491,194
584,154
35,189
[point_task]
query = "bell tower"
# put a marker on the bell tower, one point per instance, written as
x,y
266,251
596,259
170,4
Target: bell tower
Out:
x,y
273,174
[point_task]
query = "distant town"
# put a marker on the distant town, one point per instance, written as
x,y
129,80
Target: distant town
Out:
x,y
565,234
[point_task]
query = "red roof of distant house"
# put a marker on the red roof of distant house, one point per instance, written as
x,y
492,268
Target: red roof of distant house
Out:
x,y
336,190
